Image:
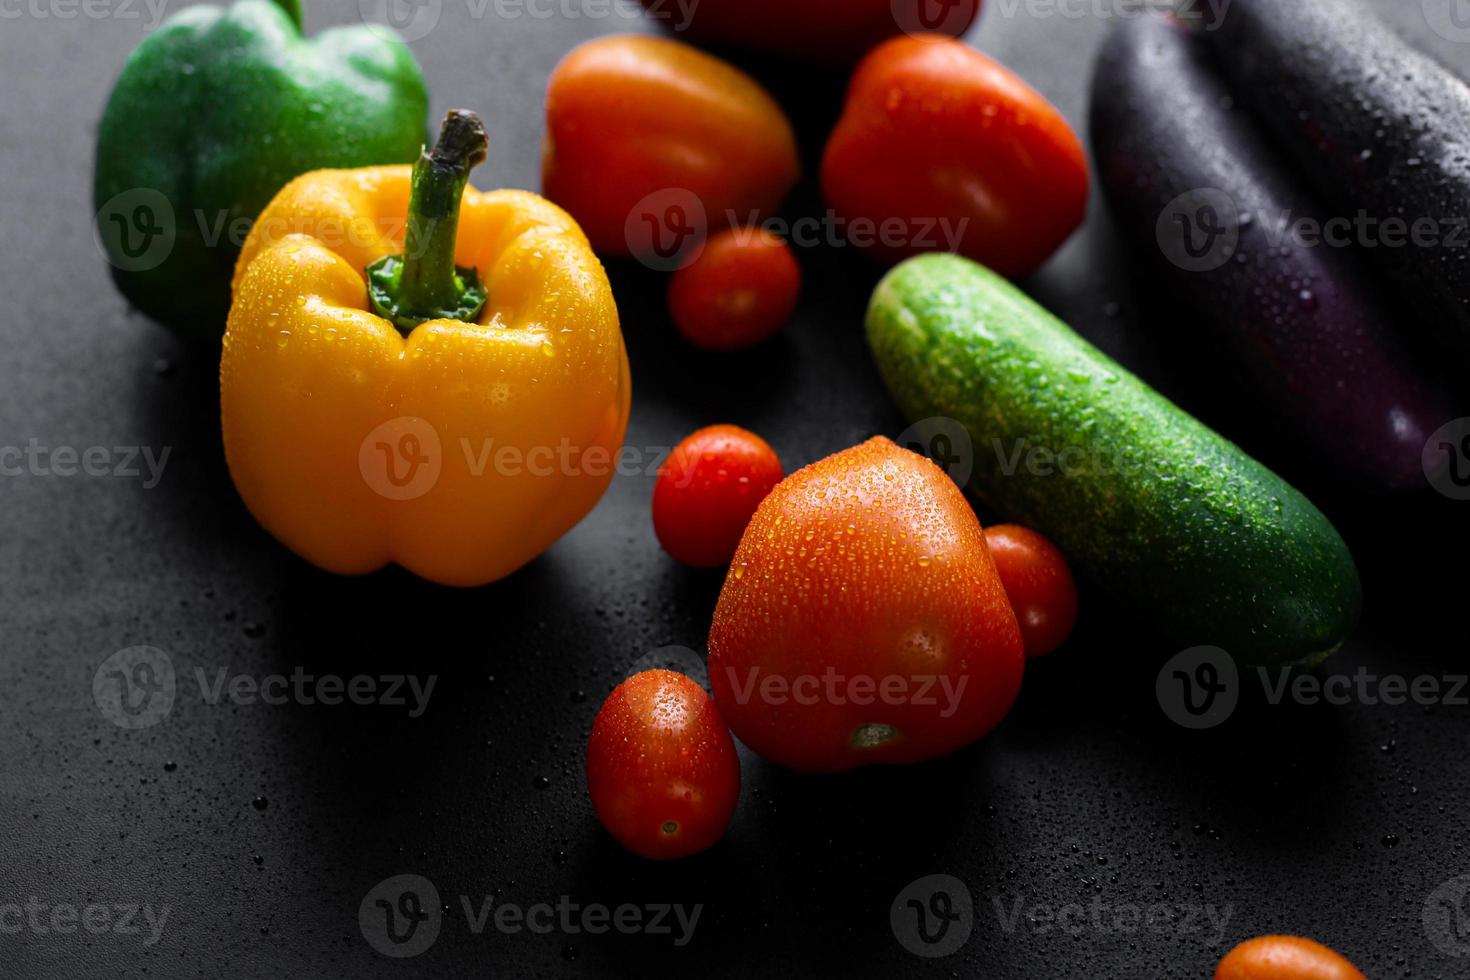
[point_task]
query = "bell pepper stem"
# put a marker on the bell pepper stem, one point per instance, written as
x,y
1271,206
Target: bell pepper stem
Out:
x,y
293,10
424,283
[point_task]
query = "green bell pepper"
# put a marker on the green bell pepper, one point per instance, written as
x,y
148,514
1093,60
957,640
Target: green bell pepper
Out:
x,y
216,112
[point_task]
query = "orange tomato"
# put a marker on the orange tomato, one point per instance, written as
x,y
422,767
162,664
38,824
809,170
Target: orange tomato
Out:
x,y
862,620
812,30
958,152
639,127
1285,958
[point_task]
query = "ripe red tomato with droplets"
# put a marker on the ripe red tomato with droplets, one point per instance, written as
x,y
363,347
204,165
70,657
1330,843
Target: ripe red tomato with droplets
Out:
x,y
1039,584
740,291
661,767
862,620
942,148
707,491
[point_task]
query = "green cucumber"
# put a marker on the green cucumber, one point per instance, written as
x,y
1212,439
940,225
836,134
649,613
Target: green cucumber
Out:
x,y
1179,525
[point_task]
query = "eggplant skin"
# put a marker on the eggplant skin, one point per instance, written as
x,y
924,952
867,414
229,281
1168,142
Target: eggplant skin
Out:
x,y
1381,126
1292,330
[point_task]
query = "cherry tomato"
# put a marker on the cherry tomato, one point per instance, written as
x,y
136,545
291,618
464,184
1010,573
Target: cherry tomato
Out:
x,y
1285,958
862,620
661,767
1038,582
740,290
707,490
948,149
651,142
830,31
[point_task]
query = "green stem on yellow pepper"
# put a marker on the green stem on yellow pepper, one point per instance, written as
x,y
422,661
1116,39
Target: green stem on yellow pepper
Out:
x,y
423,283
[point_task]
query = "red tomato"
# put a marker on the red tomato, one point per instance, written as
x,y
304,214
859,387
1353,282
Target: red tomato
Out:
x,y
661,767
707,490
1285,958
949,148
862,620
1039,584
740,290
832,31
650,142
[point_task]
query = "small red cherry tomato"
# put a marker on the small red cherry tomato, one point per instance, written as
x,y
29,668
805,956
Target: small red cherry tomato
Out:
x,y
1285,958
661,766
707,491
1039,584
740,291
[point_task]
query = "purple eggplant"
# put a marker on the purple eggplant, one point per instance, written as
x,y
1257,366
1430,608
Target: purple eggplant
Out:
x,y
1290,328
1380,127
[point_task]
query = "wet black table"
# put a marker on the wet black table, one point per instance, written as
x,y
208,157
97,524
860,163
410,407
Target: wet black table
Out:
x,y
240,837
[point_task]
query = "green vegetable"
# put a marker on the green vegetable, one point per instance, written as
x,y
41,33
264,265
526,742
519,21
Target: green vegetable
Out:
x,y
216,112
1178,524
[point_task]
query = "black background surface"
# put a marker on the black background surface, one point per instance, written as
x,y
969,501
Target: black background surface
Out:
x,y
1277,817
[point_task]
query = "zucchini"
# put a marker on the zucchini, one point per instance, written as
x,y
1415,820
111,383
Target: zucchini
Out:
x,y
1174,521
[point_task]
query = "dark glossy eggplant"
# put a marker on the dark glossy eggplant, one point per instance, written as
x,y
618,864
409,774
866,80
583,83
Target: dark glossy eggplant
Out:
x,y
1293,331
1383,128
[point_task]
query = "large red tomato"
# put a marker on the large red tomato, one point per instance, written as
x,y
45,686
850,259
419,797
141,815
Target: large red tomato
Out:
x,y
862,619
942,148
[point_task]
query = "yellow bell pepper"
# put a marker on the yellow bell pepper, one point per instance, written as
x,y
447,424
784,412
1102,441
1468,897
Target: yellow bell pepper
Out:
x,y
461,447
